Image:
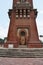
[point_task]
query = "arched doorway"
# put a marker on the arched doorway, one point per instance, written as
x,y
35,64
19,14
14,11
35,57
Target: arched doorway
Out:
x,y
22,38
22,35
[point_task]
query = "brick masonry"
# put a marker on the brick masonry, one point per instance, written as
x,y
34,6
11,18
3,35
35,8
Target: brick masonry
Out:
x,y
32,40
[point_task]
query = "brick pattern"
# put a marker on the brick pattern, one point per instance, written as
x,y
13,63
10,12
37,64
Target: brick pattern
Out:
x,y
32,40
21,61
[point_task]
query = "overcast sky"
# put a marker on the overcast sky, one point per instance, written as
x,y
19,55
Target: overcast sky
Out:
x,y
5,5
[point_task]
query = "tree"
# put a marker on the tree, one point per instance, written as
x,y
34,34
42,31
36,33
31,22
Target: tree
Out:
x,y
1,40
41,35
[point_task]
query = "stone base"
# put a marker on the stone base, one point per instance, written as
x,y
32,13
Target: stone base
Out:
x,y
21,52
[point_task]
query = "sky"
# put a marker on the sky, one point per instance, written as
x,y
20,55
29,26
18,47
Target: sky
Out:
x,y
5,5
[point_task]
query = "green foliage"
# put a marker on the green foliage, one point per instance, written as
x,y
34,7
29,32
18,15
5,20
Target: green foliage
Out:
x,y
41,35
1,40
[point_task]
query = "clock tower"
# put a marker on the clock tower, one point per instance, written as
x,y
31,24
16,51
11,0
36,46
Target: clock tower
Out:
x,y
22,29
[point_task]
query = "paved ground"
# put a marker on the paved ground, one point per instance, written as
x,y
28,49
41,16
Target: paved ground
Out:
x,y
21,61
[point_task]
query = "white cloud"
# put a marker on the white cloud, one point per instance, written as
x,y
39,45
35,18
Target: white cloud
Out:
x,y
3,32
40,12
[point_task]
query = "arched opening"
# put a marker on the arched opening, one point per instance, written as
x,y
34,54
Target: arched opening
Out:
x,y
22,33
22,38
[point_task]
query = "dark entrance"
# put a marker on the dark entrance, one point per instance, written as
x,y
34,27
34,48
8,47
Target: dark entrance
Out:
x,y
22,33
22,38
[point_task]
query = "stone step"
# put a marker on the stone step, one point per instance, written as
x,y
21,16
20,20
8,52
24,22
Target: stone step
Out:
x,y
22,52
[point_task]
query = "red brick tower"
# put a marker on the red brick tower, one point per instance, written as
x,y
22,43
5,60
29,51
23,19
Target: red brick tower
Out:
x,y
22,28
